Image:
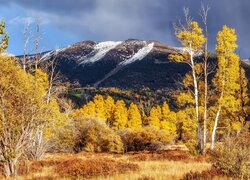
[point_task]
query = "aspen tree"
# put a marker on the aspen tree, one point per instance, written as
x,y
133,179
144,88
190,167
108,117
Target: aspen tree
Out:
x,y
134,117
192,39
120,117
155,117
227,77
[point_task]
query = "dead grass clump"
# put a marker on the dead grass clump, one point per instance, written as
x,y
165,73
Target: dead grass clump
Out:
x,y
206,174
93,167
160,155
37,166
146,178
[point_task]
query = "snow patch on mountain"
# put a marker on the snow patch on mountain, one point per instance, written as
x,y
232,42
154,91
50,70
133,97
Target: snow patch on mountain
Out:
x,y
100,50
48,56
141,54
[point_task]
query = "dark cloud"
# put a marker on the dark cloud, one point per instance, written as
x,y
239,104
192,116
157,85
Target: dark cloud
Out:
x,y
145,19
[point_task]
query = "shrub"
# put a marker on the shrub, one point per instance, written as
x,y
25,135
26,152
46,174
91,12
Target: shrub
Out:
x,y
93,167
63,139
95,136
233,156
206,174
147,138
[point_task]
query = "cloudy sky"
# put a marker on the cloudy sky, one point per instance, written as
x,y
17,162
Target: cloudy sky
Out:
x,y
64,22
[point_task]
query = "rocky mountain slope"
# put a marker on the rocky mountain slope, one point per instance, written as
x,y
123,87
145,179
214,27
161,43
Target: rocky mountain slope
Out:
x,y
123,64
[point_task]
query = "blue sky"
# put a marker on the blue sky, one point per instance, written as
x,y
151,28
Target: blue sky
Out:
x,y
64,22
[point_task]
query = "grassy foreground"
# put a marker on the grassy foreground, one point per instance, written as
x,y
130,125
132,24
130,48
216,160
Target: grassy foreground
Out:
x,y
135,166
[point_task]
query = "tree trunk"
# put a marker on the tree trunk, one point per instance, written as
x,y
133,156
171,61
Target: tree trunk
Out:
x,y
205,104
217,115
196,94
215,127
10,168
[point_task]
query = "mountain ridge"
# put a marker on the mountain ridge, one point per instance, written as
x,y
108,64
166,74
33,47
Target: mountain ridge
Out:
x,y
124,64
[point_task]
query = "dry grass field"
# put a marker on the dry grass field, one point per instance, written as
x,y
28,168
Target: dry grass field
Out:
x,y
132,166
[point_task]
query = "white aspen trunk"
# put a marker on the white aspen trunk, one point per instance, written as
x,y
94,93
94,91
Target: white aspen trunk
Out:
x,y
205,103
37,43
217,115
10,168
215,127
25,47
196,94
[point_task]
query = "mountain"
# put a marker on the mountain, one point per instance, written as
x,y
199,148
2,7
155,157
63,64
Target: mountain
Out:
x,y
124,64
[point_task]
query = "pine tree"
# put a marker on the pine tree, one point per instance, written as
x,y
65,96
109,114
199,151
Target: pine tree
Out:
x,y
134,117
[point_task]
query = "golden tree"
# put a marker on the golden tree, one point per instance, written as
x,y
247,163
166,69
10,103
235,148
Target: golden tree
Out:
x,y
120,117
99,107
22,108
155,117
192,39
168,121
134,117
227,78
109,109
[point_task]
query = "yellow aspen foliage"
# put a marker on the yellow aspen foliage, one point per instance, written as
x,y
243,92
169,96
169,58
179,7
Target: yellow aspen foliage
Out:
x,y
22,108
55,118
192,39
134,117
155,117
192,35
243,96
41,79
227,79
187,126
89,109
99,107
120,117
168,121
109,107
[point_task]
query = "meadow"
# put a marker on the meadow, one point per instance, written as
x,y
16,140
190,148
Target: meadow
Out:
x,y
144,165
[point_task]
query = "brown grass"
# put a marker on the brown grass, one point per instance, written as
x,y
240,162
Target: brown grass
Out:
x,y
167,155
136,166
93,167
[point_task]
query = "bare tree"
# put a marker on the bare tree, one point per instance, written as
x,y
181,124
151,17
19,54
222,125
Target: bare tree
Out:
x,y
25,41
37,42
204,15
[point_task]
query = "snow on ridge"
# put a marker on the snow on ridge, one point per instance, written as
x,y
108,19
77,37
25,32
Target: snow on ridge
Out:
x,y
182,50
47,56
141,54
101,50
